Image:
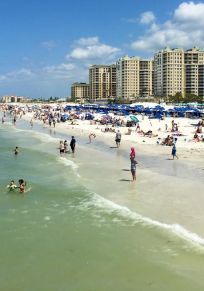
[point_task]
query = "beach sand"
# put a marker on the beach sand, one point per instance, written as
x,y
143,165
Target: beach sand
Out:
x,y
168,193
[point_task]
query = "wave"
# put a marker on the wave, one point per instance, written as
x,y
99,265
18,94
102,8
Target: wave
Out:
x,y
110,207
67,163
44,137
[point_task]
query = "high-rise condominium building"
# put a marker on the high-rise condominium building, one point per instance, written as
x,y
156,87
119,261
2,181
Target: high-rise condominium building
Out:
x,y
102,80
194,71
176,70
146,78
169,72
134,77
80,91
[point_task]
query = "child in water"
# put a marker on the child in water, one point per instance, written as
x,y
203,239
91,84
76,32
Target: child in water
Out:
x,y
11,186
22,185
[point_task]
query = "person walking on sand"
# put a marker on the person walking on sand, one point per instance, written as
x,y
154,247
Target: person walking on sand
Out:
x,y
73,144
133,167
31,123
118,138
173,151
91,135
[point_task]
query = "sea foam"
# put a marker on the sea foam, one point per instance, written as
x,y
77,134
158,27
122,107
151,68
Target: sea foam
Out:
x,y
110,207
67,163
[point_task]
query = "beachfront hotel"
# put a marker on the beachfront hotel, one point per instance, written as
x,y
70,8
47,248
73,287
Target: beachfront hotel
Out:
x,y
134,77
14,99
79,91
102,81
177,70
169,72
194,71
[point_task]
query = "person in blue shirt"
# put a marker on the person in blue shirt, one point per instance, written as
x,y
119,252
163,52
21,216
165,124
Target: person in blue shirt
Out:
x,y
173,151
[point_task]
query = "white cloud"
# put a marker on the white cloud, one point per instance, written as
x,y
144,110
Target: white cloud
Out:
x,y
49,44
190,12
59,71
147,17
48,79
90,48
185,29
17,75
85,41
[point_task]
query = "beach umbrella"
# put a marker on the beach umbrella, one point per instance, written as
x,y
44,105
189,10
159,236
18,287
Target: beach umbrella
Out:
x,y
134,118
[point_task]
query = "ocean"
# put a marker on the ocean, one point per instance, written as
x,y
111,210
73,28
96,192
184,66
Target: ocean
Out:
x,y
61,235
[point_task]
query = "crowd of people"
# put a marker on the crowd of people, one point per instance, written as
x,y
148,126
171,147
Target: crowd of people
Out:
x,y
50,117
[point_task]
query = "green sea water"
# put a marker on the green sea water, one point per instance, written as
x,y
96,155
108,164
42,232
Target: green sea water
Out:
x,y
60,236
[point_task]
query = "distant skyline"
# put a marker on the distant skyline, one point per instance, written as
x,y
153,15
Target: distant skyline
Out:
x,y
47,45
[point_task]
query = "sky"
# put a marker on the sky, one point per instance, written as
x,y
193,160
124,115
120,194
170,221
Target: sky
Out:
x,y
46,45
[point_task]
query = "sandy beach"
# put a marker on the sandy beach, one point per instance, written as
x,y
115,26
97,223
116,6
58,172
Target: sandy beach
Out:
x,y
167,192
84,222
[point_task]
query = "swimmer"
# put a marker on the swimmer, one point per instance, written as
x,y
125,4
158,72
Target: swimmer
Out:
x,y
16,151
22,185
12,186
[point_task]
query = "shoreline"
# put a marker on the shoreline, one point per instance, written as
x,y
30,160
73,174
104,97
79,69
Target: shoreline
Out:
x,y
144,198
155,176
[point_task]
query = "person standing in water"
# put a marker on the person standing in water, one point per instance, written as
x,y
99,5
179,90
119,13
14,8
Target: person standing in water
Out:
x,y
73,144
132,152
65,146
61,147
133,167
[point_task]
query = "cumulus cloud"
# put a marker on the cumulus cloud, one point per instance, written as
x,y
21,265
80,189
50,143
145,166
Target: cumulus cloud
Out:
x,y
147,17
84,41
90,48
17,75
59,71
74,67
49,44
185,29
189,12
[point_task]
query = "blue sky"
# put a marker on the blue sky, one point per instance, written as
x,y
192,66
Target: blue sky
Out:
x,y
47,45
